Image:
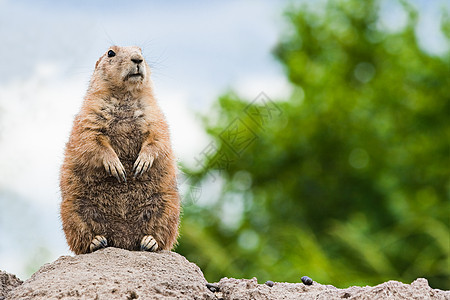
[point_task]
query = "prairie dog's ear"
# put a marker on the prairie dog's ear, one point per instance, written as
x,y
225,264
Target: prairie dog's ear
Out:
x,y
98,61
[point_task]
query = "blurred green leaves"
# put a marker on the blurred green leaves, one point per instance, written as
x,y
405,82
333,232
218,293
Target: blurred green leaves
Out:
x,y
347,181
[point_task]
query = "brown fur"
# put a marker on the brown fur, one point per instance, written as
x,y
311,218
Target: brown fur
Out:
x,y
119,124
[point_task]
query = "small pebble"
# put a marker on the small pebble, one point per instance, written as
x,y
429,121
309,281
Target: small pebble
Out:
x,y
270,283
306,280
212,287
346,295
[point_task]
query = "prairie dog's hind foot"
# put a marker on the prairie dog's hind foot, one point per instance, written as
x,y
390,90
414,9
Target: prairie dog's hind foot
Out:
x,y
98,242
148,243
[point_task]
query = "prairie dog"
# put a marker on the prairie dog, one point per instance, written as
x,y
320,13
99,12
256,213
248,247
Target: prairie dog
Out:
x,y
118,179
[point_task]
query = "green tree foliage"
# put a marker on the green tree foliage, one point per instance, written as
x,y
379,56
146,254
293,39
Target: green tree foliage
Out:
x,y
348,180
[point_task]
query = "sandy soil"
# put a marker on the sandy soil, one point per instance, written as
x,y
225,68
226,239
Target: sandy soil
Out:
x,y
120,274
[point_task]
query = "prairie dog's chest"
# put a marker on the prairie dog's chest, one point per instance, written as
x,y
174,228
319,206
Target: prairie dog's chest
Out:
x,y
123,117
125,126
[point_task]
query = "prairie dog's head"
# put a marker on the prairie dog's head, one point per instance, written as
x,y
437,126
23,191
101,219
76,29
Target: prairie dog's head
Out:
x,y
123,68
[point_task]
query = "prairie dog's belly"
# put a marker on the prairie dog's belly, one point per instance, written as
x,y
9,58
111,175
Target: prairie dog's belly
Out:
x,y
126,140
115,205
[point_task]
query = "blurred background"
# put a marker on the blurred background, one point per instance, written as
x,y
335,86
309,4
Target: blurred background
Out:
x,y
312,136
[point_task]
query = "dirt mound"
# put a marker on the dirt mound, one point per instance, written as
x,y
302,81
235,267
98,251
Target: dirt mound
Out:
x,y
114,273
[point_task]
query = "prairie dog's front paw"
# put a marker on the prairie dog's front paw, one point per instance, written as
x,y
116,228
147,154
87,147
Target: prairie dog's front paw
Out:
x,y
143,163
114,167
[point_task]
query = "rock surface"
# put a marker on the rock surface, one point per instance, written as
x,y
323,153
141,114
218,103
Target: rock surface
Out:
x,y
7,283
249,289
114,273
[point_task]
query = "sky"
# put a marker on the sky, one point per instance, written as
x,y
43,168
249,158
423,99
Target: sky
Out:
x,y
197,50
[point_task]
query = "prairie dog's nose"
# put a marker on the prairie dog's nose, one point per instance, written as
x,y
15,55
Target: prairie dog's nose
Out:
x,y
136,59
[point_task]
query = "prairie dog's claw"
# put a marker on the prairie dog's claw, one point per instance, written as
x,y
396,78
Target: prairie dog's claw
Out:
x,y
148,243
115,168
142,164
98,242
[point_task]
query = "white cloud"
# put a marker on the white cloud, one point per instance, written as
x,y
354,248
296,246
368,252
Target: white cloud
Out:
x,y
36,117
275,87
188,136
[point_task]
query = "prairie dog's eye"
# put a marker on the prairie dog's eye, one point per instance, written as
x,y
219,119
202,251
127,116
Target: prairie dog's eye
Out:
x,y
111,53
